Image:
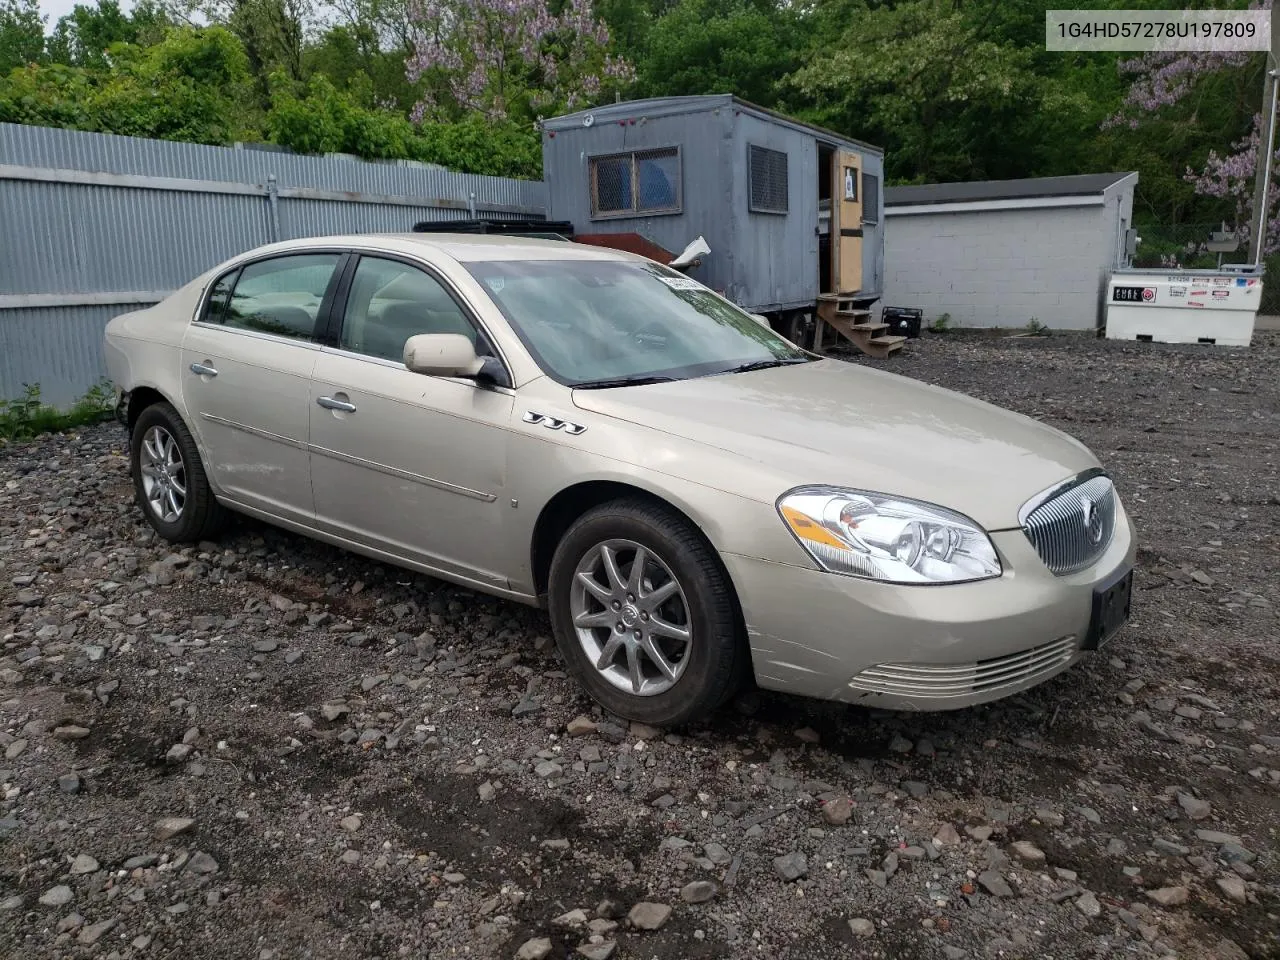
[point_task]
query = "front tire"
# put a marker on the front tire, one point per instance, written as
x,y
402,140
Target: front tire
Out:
x,y
644,615
169,480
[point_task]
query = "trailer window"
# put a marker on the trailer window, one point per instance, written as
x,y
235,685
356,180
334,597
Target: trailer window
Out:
x,y
768,173
870,198
641,182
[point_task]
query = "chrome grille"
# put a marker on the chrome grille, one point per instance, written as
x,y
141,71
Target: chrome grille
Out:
x,y
1058,525
943,681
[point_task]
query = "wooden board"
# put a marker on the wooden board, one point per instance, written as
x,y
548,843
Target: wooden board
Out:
x,y
846,221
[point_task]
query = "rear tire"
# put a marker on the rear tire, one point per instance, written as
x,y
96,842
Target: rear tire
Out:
x,y
169,480
620,634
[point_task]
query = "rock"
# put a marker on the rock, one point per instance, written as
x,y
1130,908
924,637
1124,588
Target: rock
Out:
x,y
202,863
1169,896
486,791
574,918
170,827
69,783
649,916
1229,950
70,731
981,834
351,824
526,706
861,927
82,864
1233,888
178,752
14,750
580,726
1088,904
1169,848
1026,851
916,789
807,735
1194,807
546,770
539,948
332,711
717,854
265,646
792,866
598,951
350,857
454,877
11,903
837,811
947,835
1234,853
900,744
92,933
954,953
700,891
58,896
994,884
1216,837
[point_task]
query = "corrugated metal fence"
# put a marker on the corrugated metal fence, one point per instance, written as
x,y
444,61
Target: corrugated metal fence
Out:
x,y
92,225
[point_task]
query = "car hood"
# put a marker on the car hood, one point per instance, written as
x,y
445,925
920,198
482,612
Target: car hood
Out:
x,y
830,422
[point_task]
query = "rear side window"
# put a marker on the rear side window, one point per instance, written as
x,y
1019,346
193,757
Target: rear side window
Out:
x,y
215,309
281,296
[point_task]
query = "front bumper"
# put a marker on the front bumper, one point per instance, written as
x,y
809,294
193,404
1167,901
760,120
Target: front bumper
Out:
x,y
821,635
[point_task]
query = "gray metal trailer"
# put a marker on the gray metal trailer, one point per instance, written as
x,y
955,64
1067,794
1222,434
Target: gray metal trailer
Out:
x,y
793,213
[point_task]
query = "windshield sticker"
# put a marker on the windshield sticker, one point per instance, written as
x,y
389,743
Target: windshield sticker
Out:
x,y
680,283
496,283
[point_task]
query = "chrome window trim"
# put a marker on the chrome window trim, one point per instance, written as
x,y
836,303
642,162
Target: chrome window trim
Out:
x,y
397,365
1044,496
258,335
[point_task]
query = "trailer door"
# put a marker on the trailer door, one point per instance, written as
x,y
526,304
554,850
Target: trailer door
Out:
x,y
846,221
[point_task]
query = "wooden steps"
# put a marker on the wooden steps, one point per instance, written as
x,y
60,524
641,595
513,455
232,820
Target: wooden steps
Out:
x,y
836,310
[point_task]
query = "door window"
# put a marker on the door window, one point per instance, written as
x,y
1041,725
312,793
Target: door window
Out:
x,y
391,301
281,296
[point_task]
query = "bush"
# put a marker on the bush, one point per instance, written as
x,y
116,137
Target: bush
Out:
x,y
29,415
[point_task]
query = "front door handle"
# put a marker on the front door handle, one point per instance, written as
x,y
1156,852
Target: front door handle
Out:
x,y
330,403
204,370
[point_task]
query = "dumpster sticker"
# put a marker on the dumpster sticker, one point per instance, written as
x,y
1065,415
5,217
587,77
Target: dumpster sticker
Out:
x,y
1222,293
1195,303
851,183
1177,291
1221,282
1240,282
1133,294
1199,293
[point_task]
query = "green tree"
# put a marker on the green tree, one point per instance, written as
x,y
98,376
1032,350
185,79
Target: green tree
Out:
x,y
721,46
81,38
187,87
21,34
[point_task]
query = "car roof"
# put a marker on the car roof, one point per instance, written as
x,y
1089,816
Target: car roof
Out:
x,y
466,247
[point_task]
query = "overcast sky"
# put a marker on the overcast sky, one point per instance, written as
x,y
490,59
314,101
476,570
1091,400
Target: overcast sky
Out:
x,y
53,9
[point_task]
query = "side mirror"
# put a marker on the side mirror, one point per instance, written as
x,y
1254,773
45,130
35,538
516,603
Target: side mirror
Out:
x,y
442,355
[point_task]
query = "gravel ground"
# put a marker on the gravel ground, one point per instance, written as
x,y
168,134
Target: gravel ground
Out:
x,y
269,748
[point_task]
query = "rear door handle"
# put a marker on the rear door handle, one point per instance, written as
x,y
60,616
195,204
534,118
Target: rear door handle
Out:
x,y
329,403
204,370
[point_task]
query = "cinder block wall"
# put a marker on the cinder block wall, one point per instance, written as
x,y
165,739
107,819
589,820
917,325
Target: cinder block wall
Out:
x,y
1001,268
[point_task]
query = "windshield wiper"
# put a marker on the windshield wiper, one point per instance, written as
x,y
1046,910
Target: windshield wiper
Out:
x,y
764,365
621,382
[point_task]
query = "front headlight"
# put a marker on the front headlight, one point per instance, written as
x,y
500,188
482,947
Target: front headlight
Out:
x,y
873,535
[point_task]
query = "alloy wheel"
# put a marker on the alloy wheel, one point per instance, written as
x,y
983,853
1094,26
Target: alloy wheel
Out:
x,y
164,475
631,617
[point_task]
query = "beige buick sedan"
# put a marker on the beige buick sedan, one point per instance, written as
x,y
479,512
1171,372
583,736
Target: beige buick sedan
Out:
x,y
693,498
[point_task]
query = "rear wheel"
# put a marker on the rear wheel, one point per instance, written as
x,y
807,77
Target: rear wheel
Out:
x,y
643,614
169,481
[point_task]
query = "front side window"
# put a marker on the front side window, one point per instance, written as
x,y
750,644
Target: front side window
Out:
x,y
642,182
282,295
591,322
392,301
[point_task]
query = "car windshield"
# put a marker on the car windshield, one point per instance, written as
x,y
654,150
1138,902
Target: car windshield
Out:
x,y
604,323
